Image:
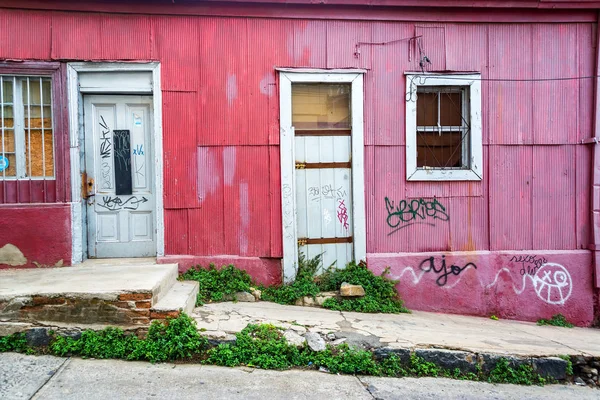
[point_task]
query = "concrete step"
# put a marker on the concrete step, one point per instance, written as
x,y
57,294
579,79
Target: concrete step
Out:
x,y
181,297
120,294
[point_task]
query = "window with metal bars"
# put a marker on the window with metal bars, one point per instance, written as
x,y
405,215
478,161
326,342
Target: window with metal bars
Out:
x,y
26,128
443,127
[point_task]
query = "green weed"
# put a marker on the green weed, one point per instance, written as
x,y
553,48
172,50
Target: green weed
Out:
x,y
15,342
494,317
556,320
380,292
569,368
303,285
215,284
522,375
173,339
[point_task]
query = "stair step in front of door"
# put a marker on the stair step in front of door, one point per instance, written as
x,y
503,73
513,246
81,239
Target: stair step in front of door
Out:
x,y
181,297
109,295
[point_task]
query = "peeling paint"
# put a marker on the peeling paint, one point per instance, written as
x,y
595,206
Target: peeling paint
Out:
x,y
229,161
231,89
11,255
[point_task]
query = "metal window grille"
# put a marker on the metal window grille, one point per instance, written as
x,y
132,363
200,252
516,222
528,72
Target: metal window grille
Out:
x,y
26,126
443,128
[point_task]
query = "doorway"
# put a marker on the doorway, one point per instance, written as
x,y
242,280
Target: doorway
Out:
x,y
120,198
322,167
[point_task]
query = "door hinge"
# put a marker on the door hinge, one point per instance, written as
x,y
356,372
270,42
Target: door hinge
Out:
x,y
302,241
300,165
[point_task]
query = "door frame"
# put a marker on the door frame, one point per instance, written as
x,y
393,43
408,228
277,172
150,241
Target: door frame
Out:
x,y
140,86
287,76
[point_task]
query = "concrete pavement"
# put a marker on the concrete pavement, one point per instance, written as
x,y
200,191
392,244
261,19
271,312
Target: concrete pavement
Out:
x,y
45,377
408,331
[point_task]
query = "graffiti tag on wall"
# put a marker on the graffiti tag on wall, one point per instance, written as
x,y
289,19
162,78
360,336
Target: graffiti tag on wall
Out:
x,y
443,271
417,211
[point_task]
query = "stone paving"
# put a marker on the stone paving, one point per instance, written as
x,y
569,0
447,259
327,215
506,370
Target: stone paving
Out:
x,y
221,321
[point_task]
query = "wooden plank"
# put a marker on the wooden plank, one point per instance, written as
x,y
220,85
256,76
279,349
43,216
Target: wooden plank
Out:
x,y
327,240
323,132
324,165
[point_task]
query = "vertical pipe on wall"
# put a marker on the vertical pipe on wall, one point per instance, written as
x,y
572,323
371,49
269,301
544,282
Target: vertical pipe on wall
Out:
x,y
595,244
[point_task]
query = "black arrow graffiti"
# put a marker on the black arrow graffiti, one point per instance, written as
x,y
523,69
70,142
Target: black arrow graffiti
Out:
x,y
116,203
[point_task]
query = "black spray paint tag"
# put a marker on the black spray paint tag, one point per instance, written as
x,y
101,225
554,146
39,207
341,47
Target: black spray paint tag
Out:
x,y
122,146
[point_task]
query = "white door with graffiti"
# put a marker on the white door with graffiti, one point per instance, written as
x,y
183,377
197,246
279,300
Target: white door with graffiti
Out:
x,y
118,179
322,190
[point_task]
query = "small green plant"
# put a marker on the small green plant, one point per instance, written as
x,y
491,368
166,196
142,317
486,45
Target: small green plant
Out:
x,y
380,292
523,374
172,339
216,284
261,346
303,285
420,367
556,320
15,342
494,317
569,369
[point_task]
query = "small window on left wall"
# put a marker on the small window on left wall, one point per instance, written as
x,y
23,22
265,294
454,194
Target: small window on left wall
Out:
x,y
26,128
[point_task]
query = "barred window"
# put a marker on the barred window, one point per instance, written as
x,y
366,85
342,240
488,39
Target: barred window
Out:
x,y
26,128
443,127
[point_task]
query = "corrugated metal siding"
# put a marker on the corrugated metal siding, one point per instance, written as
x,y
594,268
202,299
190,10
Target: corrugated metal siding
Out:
x,y
553,197
76,36
176,43
176,231
30,40
246,200
555,102
179,143
510,103
126,37
386,109
511,182
206,223
221,123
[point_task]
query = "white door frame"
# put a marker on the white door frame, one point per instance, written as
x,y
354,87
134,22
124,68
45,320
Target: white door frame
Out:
x,y
76,136
288,76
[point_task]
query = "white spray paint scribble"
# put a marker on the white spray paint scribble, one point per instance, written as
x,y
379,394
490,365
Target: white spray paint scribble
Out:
x,y
552,282
326,217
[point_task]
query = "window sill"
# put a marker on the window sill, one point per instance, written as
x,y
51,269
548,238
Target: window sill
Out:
x,y
443,175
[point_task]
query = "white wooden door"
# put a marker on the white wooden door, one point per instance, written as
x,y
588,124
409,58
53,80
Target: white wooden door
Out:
x,y
324,198
119,156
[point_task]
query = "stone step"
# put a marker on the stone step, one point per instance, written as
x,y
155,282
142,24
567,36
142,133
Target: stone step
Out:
x,y
181,297
120,294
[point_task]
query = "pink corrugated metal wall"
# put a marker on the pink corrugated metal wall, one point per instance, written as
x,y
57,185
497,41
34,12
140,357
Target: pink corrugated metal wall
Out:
x,y
221,132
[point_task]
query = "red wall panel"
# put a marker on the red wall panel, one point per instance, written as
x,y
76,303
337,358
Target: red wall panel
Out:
x,y
19,40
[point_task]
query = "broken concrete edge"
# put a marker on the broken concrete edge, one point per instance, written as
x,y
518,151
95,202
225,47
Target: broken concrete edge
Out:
x,y
106,296
552,367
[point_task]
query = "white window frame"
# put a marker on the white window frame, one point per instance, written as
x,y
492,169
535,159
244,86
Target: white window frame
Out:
x,y
287,76
473,82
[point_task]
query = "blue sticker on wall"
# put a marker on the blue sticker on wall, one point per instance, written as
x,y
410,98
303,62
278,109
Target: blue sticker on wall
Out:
x,y
4,163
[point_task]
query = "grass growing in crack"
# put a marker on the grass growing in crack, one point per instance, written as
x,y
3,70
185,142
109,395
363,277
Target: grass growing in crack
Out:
x,y
523,374
303,285
556,320
16,343
172,339
217,283
261,346
380,292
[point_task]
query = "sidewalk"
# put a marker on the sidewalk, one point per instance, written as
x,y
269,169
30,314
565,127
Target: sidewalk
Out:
x,y
404,331
54,378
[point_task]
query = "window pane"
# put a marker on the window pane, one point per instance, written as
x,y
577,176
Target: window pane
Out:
x,y
321,106
427,109
33,115
11,170
7,117
41,162
7,89
451,109
439,151
7,142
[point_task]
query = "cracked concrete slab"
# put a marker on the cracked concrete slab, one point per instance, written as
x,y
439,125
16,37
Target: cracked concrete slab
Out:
x,y
416,330
22,376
